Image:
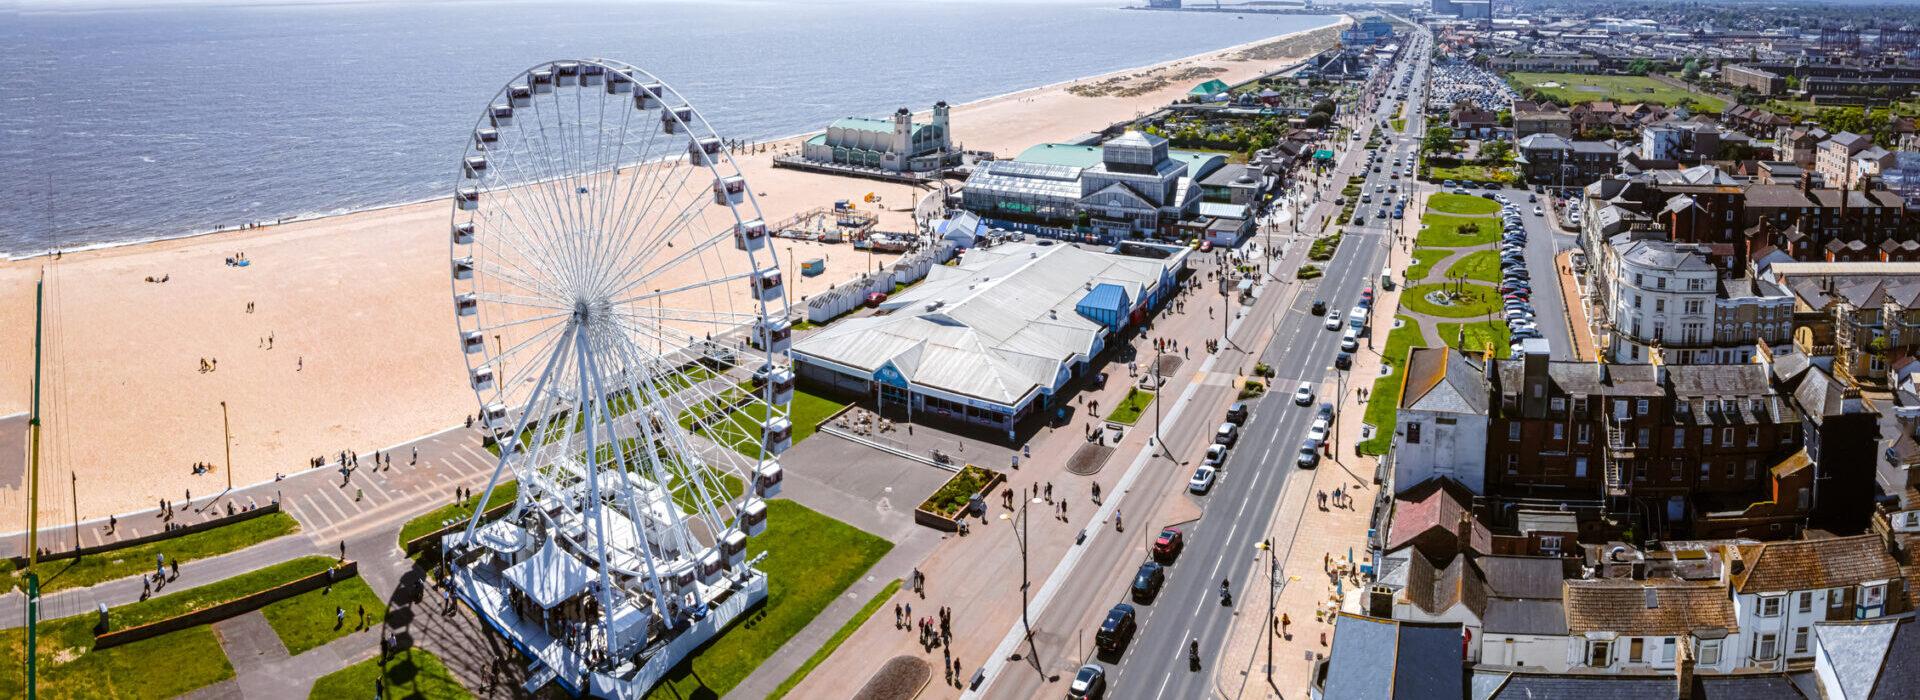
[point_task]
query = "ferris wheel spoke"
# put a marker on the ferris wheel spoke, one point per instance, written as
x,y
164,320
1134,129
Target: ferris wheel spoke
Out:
x,y
542,241
664,237
522,321
684,288
696,315
522,300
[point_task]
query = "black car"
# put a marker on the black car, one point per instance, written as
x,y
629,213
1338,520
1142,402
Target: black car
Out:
x,y
1147,583
1343,360
1319,307
1117,630
1237,413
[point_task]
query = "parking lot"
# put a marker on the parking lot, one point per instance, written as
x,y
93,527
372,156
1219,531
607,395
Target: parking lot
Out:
x,y
1454,82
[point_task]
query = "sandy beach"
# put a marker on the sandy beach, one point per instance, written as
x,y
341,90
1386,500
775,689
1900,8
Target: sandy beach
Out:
x,y
365,352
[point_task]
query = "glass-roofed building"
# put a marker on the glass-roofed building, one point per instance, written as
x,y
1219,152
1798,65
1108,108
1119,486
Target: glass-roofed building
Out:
x,y
1132,186
896,145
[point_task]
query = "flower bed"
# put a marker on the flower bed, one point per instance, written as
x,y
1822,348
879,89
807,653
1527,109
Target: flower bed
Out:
x,y
942,509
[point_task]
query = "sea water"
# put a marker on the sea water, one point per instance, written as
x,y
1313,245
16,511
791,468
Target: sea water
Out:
x,y
125,123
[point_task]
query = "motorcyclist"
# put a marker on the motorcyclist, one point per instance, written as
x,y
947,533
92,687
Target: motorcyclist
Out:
x,y
1193,648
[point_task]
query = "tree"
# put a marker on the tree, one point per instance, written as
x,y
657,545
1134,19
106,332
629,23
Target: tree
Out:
x,y
1324,106
1495,152
1691,71
1792,82
1506,118
1439,139
1639,66
1318,120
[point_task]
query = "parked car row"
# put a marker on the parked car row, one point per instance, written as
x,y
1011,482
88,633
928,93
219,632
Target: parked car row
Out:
x,y
1516,288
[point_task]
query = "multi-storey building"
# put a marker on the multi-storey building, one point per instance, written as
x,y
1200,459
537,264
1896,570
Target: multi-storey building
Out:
x,y
1835,157
1672,297
1782,589
1553,160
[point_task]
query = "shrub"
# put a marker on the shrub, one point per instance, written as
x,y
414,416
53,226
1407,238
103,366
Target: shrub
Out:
x,y
1308,272
1252,389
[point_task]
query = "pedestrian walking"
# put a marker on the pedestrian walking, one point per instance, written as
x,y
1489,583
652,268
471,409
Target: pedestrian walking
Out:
x,y
160,564
339,617
176,568
897,619
343,550
363,617
1049,492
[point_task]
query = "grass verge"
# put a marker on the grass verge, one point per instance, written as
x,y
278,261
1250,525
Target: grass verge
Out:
x,y
834,642
1623,89
307,621
1462,204
1383,404
1483,265
811,558
411,674
421,525
1423,262
140,559
1443,231
164,666
1132,406
740,428
1479,335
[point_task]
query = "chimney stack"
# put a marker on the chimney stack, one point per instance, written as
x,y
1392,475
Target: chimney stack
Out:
x,y
1806,182
1683,668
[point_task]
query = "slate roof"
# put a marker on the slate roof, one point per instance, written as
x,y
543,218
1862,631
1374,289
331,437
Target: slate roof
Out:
x,y
1376,659
1446,380
1745,686
1810,564
1870,660
1436,591
1511,576
1522,686
1620,605
1523,616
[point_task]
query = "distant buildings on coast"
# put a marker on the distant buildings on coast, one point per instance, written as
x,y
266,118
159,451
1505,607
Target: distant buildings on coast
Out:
x,y
894,145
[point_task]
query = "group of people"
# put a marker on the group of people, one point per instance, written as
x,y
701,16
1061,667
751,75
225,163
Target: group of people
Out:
x,y
934,631
237,260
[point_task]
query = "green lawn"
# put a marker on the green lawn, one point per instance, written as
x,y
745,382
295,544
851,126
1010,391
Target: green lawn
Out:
x,y
811,558
1443,231
1483,265
1479,300
1423,261
1621,89
306,621
502,494
164,666
1399,125
140,559
1132,406
740,429
835,641
1462,204
1479,335
1476,173
1384,402
412,674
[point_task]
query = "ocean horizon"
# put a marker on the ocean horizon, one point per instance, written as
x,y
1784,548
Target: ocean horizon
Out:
x,y
135,124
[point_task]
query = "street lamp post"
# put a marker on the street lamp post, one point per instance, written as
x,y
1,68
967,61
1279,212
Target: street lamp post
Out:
x,y
1273,587
226,431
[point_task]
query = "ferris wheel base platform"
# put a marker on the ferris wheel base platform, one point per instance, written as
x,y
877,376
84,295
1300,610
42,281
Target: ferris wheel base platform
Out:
x,y
629,681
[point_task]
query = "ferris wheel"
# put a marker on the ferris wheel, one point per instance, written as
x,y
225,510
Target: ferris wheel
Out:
x,y
624,324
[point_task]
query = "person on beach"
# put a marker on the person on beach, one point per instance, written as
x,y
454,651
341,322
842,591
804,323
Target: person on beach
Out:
x,y
302,364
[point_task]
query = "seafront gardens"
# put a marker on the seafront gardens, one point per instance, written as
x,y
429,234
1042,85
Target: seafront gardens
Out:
x,y
1449,291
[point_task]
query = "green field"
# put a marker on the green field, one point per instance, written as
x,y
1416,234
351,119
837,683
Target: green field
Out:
x,y
1479,300
1423,261
1479,335
421,525
1443,231
811,558
1483,265
740,429
1132,406
1383,404
306,621
839,637
164,666
1620,89
1462,204
140,559
411,674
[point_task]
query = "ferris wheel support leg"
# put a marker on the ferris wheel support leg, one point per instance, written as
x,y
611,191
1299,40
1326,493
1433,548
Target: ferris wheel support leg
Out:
x,y
587,369
479,509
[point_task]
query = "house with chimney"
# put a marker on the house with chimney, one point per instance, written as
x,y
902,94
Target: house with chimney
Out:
x,y
1834,158
1782,589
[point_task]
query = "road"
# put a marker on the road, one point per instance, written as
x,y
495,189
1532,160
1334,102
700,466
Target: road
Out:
x,y
1259,477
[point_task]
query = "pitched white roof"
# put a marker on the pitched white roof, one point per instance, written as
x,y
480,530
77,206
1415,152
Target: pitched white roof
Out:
x,y
1000,326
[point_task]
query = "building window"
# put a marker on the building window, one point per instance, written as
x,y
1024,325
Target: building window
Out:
x,y
1639,471
1765,647
1752,468
1620,409
1730,470
1706,436
1641,407
1558,403
1513,464
1660,283
1694,306
1413,433
1580,467
1559,431
1753,437
1550,543
1582,433
1706,471
1800,635
1805,602
1709,652
1726,436
1836,598
1659,305
1695,285
1636,649
1667,650
1770,606
1636,301
1786,435
1580,404
1599,653
1679,438
1645,437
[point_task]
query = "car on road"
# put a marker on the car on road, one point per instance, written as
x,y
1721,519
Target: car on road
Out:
x,y
1227,434
1305,395
1333,319
1169,543
1148,580
1309,454
1351,341
1533,198
1216,454
1343,360
1326,410
1206,246
1089,684
1319,307
1317,431
876,298
1237,413
1117,630
1537,212
1202,480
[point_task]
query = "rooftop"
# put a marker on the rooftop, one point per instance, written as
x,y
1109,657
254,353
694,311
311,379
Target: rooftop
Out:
x,y
1648,608
1812,564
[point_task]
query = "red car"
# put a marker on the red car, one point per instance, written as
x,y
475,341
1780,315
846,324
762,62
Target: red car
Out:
x,y
1169,543
876,298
